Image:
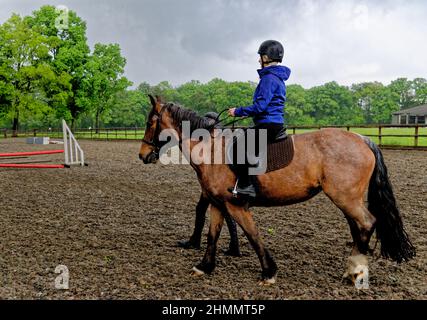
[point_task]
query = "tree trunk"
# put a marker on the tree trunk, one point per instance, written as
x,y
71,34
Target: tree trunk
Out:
x,y
97,122
73,124
15,125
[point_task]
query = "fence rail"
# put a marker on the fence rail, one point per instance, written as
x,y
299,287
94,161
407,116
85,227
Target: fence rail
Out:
x,y
398,136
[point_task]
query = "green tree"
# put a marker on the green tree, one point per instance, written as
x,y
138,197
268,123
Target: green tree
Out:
x,y
404,92
165,90
364,93
297,108
191,95
70,54
376,101
130,109
103,80
420,87
333,104
216,95
144,88
24,71
383,105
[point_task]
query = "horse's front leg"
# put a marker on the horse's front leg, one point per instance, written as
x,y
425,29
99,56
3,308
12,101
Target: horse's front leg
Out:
x,y
208,263
244,218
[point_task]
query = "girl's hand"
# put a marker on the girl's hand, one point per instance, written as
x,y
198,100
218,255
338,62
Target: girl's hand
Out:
x,y
231,112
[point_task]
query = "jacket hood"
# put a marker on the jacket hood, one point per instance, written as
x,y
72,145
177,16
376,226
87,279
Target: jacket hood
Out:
x,y
281,72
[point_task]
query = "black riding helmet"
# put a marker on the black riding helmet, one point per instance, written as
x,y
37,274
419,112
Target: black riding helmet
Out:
x,y
272,49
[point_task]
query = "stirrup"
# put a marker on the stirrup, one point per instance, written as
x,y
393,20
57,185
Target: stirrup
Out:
x,y
234,190
236,194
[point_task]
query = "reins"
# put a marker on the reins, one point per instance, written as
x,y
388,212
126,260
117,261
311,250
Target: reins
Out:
x,y
220,121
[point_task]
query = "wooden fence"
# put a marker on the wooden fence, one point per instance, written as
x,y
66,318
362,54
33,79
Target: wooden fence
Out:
x,y
381,133
390,136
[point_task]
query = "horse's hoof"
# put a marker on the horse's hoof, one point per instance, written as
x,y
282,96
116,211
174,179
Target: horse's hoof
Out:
x,y
232,253
267,282
357,266
196,272
346,278
187,244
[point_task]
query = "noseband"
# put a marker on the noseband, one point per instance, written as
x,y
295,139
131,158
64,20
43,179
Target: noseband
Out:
x,y
154,142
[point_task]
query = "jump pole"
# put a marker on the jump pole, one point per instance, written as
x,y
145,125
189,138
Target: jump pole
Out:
x,y
32,166
34,153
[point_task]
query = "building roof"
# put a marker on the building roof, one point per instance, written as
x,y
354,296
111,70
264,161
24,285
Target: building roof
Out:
x,y
416,111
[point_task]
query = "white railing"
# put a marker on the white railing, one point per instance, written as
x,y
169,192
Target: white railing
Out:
x,y
74,154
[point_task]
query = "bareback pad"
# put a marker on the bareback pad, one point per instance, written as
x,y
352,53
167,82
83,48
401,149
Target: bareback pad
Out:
x,y
279,155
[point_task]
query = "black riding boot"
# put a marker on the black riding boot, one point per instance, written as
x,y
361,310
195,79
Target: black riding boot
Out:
x,y
246,185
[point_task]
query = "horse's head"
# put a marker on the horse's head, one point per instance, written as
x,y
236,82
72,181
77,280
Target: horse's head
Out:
x,y
168,116
150,147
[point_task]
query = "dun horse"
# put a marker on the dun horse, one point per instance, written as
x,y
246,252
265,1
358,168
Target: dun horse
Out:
x,y
343,165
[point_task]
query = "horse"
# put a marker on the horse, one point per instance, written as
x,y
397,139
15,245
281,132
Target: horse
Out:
x,y
342,164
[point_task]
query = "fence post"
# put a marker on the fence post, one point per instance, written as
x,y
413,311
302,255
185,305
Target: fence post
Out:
x,y
379,135
348,128
294,130
416,136
5,133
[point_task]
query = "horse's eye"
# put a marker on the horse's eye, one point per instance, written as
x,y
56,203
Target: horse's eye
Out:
x,y
151,121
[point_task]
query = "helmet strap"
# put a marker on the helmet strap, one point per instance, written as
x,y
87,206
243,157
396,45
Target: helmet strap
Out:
x,y
263,64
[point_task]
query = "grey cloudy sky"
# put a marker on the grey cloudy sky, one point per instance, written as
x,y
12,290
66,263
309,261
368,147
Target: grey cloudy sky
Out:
x,y
180,40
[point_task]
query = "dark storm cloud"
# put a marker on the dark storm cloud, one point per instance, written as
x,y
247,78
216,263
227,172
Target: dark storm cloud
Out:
x,y
184,40
181,40
168,39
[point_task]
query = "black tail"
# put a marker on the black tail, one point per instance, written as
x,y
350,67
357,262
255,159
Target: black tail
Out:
x,y
395,243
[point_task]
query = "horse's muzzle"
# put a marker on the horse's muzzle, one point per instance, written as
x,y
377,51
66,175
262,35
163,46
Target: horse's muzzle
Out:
x,y
151,158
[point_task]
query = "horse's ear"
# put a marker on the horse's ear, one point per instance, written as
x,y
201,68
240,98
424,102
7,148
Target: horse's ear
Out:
x,y
159,99
153,101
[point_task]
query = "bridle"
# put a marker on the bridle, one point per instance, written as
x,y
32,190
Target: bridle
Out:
x,y
154,142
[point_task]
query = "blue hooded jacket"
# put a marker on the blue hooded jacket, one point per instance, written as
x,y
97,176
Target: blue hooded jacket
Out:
x,y
269,97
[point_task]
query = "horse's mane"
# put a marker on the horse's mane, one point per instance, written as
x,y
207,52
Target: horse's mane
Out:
x,y
180,114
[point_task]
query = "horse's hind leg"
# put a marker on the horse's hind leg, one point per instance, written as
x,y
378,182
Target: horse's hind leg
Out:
x,y
208,263
362,225
244,218
201,208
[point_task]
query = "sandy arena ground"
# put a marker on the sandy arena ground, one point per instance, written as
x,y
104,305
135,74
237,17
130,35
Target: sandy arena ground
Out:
x,y
115,225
